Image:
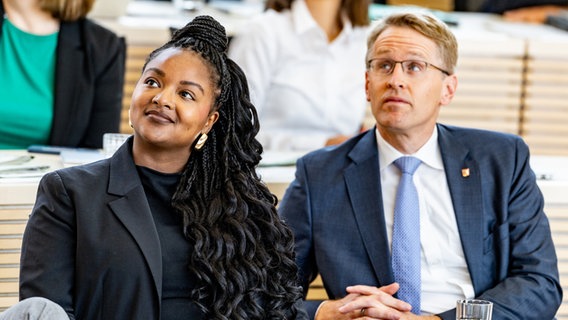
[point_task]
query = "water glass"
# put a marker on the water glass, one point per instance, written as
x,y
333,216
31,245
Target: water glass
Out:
x,y
474,309
112,141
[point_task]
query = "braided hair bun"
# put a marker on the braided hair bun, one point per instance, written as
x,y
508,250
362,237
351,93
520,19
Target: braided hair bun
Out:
x,y
207,29
207,37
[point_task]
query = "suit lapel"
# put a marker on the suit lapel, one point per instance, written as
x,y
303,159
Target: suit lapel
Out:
x,y
362,179
69,65
133,211
466,192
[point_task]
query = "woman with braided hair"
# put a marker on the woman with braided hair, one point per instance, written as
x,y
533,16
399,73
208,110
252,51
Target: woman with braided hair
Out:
x,y
176,224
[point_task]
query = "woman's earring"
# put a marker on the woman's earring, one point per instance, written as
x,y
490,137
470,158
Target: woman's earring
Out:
x,y
201,141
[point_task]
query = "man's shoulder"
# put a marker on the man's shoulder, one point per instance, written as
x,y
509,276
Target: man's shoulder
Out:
x,y
481,143
338,153
476,135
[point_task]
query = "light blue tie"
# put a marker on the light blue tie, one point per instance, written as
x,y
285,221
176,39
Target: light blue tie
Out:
x,y
406,235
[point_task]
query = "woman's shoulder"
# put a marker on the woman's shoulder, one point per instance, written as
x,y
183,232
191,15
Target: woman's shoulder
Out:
x,y
92,36
100,44
97,32
94,170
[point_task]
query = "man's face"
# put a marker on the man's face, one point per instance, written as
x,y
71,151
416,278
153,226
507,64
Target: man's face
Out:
x,y
407,101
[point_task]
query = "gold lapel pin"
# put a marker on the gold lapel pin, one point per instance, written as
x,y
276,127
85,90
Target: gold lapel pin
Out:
x,y
465,172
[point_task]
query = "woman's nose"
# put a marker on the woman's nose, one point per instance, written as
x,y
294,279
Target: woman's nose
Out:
x,y
163,99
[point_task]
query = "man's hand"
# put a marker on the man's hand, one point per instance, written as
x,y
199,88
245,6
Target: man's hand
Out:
x,y
365,302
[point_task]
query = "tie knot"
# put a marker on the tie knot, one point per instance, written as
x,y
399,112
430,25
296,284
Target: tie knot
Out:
x,y
407,164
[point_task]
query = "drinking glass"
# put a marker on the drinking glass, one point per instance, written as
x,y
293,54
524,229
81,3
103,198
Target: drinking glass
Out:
x,y
474,309
112,141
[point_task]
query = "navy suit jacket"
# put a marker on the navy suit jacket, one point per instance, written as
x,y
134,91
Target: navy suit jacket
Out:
x,y
334,207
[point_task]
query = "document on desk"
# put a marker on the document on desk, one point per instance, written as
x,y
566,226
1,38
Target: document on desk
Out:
x,y
11,159
23,171
21,167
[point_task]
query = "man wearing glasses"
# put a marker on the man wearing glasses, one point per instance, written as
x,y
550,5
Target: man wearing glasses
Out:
x,y
466,221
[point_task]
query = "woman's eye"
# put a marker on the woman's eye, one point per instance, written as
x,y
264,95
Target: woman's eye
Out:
x,y
187,95
151,82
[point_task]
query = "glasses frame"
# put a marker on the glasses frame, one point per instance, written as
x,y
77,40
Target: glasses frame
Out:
x,y
428,64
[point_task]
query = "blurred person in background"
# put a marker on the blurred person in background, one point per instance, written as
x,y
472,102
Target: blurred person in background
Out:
x,y
532,11
303,62
62,75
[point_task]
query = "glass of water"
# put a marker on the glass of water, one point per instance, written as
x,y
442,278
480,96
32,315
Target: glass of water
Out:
x,y
112,141
474,309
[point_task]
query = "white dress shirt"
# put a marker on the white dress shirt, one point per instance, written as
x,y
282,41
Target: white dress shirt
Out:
x,y
305,88
445,276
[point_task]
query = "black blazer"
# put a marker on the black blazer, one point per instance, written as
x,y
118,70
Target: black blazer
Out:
x,y
89,79
91,245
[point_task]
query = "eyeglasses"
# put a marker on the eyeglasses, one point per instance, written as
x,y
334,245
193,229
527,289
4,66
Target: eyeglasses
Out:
x,y
413,68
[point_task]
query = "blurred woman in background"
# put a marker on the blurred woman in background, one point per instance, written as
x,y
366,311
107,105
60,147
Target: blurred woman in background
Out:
x,y
62,75
304,60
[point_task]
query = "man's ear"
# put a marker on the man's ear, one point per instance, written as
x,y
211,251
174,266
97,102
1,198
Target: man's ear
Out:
x,y
449,89
367,86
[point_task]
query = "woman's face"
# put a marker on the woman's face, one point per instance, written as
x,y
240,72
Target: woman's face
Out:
x,y
173,100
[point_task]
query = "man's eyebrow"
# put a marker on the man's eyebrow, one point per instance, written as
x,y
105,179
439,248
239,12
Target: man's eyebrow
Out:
x,y
411,53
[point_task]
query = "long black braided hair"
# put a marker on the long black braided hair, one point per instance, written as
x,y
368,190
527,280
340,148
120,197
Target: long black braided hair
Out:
x,y
243,255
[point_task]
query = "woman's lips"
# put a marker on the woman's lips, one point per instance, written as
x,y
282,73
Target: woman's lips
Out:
x,y
159,116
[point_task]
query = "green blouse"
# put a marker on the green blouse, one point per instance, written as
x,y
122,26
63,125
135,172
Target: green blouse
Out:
x,y
27,73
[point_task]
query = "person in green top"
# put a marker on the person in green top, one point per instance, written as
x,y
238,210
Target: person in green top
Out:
x,y
62,75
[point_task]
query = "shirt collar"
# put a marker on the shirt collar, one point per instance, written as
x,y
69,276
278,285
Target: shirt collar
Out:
x,y
429,154
304,22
